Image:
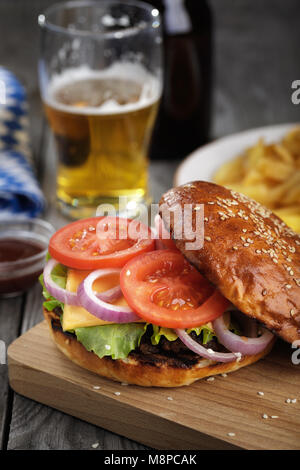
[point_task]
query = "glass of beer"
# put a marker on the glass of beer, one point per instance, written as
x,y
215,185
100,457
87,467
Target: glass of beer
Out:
x,y
100,73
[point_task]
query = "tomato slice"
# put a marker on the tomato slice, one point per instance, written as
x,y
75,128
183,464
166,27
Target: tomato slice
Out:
x,y
164,289
100,242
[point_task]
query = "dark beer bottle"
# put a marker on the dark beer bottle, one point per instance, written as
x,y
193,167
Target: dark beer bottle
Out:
x,y
183,121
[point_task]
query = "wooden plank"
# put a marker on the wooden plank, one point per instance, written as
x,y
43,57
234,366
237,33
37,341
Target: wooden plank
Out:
x,y
256,61
198,416
10,319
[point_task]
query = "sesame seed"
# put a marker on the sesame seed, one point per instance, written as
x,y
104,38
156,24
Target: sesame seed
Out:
x,y
288,400
288,286
128,272
265,416
275,260
169,398
208,239
95,445
260,394
274,416
291,273
117,393
294,400
206,219
210,379
224,375
238,356
246,244
96,387
264,292
211,203
211,351
124,383
244,230
235,248
292,312
258,252
231,434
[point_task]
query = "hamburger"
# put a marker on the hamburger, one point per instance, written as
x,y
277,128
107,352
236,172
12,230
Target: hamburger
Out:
x,y
123,309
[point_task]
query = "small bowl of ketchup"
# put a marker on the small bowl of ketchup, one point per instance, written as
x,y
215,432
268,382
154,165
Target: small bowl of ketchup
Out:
x,y
23,248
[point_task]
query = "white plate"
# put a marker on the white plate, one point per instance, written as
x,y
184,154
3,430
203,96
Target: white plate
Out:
x,y
203,162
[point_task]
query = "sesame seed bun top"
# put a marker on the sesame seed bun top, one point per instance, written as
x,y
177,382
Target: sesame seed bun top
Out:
x,y
249,254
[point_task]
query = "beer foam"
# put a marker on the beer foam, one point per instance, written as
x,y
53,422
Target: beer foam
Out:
x,y
151,88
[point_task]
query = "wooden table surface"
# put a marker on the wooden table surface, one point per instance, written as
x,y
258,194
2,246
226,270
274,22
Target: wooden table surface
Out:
x,y
256,60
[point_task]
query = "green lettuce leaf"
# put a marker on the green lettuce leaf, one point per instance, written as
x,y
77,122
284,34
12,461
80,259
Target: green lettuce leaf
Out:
x,y
159,331
59,276
170,335
111,340
206,331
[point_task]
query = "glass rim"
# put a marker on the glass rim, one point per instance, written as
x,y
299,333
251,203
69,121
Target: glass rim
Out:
x,y
44,22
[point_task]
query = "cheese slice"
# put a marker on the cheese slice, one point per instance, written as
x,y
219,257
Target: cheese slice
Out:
x,y
79,317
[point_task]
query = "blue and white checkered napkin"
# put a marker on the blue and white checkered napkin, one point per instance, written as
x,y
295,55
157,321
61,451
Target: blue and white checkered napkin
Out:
x,y
20,194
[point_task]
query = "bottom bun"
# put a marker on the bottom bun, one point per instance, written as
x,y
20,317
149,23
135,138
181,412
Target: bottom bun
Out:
x,y
137,368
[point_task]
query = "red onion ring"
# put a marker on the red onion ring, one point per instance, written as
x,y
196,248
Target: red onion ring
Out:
x,y
242,344
203,352
110,295
71,298
60,294
100,308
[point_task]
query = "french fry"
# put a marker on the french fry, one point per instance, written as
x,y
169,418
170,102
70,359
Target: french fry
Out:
x,y
270,174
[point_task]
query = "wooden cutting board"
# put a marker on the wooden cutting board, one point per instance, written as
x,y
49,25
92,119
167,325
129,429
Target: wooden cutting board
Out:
x,y
199,416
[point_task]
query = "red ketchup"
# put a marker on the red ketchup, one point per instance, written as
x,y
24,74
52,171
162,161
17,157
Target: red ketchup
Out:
x,y
20,264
